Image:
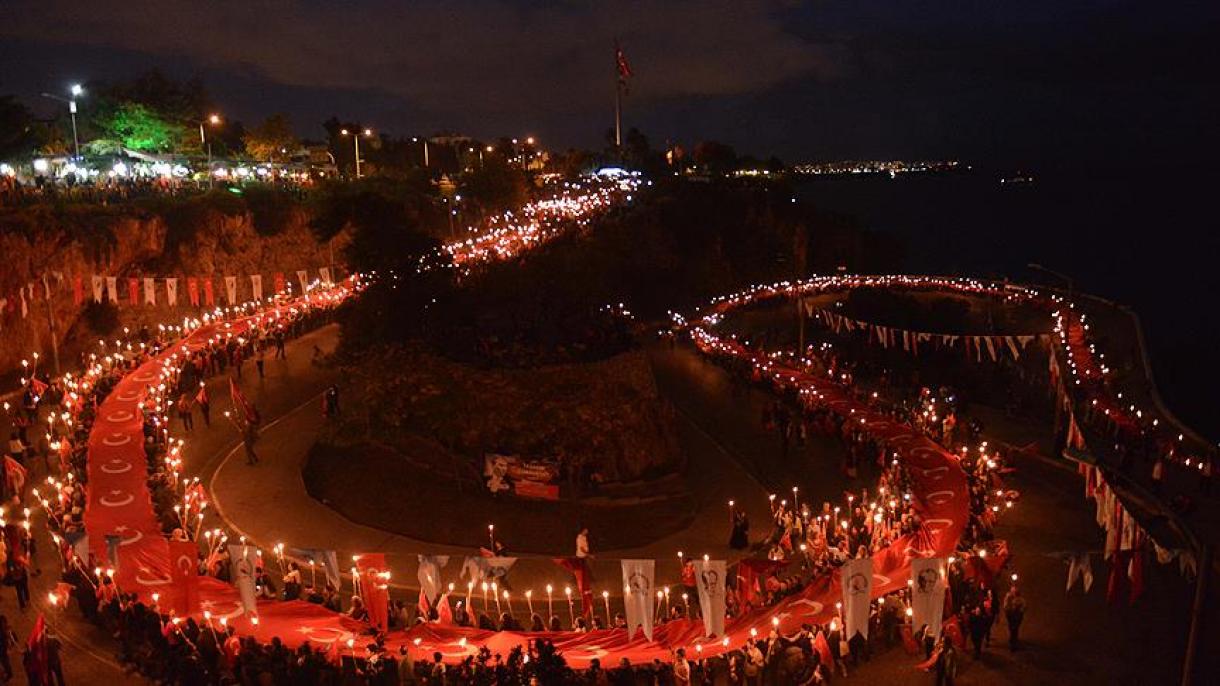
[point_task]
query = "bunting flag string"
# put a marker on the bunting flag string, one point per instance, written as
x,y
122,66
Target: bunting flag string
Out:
x,y
143,290
891,337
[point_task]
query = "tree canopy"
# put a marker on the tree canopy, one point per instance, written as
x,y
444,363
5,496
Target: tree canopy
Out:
x,y
272,138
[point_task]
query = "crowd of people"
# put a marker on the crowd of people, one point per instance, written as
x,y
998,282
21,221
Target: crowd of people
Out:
x,y
804,543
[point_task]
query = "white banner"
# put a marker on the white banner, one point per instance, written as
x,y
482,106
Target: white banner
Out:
x,y
429,575
112,287
150,291
638,582
857,596
256,286
709,575
927,593
171,291
97,288
231,289
303,277
245,560
324,272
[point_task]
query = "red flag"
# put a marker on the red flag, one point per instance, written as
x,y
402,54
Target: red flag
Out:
x,y
1137,575
444,613
133,291
579,567
184,573
1119,583
37,645
951,629
78,290
15,475
823,648
209,297
422,605
279,282
192,290
249,413
748,572
375,588
620,62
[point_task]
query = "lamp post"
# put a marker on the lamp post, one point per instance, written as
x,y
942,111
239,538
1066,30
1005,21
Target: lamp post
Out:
x,y
416,139
1067,279
76,90
356,139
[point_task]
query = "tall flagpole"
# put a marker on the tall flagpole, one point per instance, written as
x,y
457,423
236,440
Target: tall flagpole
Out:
x,y
618,100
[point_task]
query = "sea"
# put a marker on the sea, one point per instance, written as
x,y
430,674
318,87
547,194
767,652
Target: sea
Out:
x,y
1145,238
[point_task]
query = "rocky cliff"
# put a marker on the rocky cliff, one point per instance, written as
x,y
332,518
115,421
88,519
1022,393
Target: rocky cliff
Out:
x,y
199,237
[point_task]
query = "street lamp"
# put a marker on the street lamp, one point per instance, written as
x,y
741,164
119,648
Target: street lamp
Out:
x,y
76,90
356,139
415,139
214,120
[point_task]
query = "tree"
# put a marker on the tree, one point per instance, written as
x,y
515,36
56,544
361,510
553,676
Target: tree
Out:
x,y
496,186
273,137
715,157
139,127
152,113
19,135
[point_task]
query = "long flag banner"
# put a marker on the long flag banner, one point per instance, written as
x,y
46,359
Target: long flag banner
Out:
x,y
638,581
928,593
328,560
709,575
429,575
857,578
244,561
375,588
184,571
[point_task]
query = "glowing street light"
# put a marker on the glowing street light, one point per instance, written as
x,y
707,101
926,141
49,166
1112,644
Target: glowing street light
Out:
x,y
367,133
75,91
416,139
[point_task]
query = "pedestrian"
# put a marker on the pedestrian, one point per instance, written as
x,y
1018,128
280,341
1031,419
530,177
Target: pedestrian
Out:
x,y
248,438
259,362
582,543
280,354
16,448
332,401
205,404
55,667
18,577
1014,613
8,640
978,623
681,669
184,412
946,663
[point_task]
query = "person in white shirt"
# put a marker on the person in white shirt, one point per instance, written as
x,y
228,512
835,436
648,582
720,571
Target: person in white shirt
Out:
x,y
582,543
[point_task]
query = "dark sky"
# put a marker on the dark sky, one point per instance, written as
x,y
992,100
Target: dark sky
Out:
x,y
1029,81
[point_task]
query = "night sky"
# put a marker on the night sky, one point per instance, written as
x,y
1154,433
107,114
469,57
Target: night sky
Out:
x,y
1031,82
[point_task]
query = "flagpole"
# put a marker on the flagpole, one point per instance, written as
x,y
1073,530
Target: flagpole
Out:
x,y
618,99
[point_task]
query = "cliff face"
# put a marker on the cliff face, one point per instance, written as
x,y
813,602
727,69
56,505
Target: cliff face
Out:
x,y
38,244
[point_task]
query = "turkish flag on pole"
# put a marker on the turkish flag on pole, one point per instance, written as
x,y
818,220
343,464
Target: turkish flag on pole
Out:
x,y
279,282
239,402
192,290
375,588
133,291
184,572
209,296
579,567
